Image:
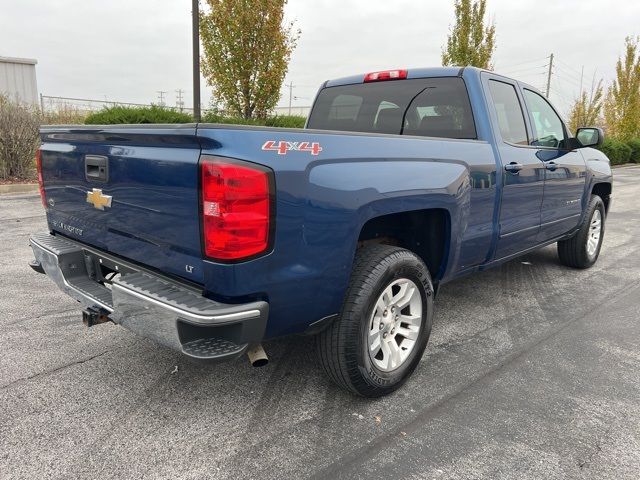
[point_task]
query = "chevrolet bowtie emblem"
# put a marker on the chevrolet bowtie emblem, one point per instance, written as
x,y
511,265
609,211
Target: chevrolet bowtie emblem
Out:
x,y
98,200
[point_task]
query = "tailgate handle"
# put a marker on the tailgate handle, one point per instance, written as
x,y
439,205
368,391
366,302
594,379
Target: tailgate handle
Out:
x,y
96,168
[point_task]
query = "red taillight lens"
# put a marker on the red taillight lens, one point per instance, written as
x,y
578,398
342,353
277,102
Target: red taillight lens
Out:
x,y
385,75
43,196
236,205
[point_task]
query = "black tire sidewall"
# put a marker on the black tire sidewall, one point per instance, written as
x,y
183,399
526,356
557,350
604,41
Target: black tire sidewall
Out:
x,y
414,270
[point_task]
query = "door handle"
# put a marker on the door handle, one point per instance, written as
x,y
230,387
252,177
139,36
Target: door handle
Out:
x,y
513,167
551,165
96,168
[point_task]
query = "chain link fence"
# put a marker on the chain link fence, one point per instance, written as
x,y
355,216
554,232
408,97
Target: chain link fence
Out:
x,y
85,106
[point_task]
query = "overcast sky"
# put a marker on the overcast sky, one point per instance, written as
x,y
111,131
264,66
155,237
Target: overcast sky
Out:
x,y
127,50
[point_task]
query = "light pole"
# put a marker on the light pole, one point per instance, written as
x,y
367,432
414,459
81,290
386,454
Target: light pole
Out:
x,y
195,27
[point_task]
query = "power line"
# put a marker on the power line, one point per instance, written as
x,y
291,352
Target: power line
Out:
x,y
562,96
524,63
567,74
568,66
536,67
579,74
569,80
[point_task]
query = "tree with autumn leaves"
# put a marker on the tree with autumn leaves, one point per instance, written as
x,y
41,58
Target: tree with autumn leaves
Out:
x,y
587,108
619,110
247,46
470,41
622,106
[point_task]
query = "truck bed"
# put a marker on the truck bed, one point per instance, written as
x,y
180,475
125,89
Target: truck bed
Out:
x,y
154,219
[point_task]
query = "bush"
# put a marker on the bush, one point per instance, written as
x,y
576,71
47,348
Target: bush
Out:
x,y
618,152
64,114
19,140
284,121
136,115
635,150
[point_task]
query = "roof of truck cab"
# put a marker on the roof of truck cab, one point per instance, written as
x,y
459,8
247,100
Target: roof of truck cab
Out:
x,y
428,72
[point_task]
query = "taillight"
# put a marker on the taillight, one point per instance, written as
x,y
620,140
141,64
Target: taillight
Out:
x,y
43,196
385,75
236,208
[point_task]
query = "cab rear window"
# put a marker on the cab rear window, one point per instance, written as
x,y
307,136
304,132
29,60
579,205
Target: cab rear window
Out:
x,y
431,107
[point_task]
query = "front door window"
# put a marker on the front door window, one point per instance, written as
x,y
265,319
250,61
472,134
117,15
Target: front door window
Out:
x,y
549,131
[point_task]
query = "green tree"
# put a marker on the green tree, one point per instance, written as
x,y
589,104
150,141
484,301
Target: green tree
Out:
x,y
246,51
470,41
622,105
587,109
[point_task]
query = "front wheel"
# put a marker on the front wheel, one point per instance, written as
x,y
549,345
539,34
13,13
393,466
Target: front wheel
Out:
x,y
384,325
582,250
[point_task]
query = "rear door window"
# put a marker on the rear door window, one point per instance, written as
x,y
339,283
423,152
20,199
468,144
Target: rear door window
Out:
x,y
509,112
436,107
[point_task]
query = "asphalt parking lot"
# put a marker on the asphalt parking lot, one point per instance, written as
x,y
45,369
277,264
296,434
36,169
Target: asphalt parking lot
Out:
x,y
532,371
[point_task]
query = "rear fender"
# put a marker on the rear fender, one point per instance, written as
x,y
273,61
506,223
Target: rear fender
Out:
x,y
344,196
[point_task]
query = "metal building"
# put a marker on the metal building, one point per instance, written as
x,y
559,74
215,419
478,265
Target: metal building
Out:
x,y
18,79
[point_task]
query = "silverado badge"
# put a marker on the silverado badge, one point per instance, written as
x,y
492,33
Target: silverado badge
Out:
x,y
98,200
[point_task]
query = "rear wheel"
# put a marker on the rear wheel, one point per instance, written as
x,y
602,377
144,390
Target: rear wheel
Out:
x,y
385,322
582,250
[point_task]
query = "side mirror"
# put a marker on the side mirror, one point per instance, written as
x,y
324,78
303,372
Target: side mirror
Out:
x,y
590,136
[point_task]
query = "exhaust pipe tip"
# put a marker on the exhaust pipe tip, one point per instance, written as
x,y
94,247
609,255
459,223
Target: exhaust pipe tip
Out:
x,y
257,356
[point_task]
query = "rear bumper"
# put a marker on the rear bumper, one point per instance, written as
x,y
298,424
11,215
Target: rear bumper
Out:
x,y
169,312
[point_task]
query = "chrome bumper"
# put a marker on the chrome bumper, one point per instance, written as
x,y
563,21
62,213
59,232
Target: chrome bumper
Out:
x,y
171,313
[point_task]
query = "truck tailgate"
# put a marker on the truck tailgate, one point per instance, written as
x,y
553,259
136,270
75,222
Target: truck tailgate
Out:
x,y
131,191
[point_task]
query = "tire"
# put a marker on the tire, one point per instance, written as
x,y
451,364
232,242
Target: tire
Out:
x,y
582,249
382,277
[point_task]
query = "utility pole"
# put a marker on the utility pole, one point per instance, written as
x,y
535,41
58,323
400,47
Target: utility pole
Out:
x,y
179,101
161,97
195,31
290,95
549,75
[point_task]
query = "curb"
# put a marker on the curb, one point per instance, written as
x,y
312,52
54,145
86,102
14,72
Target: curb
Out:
x,y
19,188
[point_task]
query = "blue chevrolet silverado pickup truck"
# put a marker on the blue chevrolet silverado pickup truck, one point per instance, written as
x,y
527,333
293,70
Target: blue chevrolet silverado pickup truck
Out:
x,y
211,238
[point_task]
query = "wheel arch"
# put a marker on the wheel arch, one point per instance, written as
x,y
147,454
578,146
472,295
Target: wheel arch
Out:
x,y
426,232
603,190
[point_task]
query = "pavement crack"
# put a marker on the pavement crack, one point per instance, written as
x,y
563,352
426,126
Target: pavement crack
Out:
x,y
46,314
598,448
51,372
21,219
588,460
366,452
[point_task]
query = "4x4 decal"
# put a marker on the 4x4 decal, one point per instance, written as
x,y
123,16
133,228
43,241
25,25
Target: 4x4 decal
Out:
x,y
283,147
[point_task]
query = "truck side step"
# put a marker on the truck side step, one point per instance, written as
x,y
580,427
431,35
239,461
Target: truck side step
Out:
x,y
211,348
